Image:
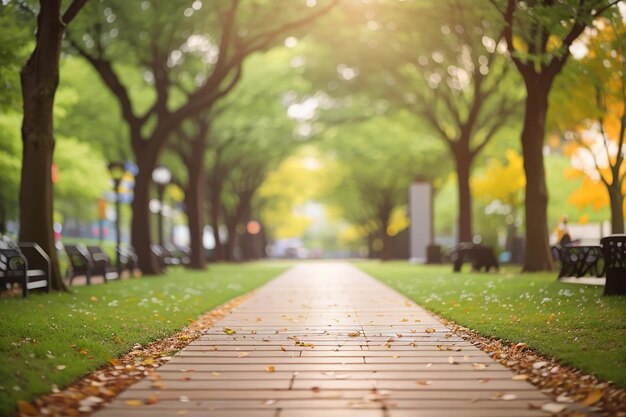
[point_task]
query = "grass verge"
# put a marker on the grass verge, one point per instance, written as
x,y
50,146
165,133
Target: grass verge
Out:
x,y
573,323
51,340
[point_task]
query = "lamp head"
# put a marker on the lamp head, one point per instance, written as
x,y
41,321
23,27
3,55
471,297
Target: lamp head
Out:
x,y
117,170
161,175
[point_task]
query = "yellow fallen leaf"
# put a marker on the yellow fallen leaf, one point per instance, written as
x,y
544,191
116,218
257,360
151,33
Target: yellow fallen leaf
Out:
x,y
593,397
229,331
26,408
430,330
148,361
270,368
93,298
551,317
153,399
404,320
354,334
134,403
520,377
479,366
114,362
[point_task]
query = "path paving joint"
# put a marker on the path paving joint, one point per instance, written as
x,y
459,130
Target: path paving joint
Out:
x,y
325,339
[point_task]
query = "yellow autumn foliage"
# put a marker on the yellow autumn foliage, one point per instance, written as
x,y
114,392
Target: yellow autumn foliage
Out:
x,y
503,182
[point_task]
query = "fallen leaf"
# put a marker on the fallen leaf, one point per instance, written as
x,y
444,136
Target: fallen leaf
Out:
x,y
215,373
564,399
521,377
315,389
430,330
60,367
229,331
153,399
593,397
421,382
268,402
509,397
354,334
243,354
479,366
270,368
148,361
283,349
134,403
183,399
539,365
93,298
553,407
26,408
451,361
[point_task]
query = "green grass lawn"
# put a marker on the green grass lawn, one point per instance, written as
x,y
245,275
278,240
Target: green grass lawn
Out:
x,y
104,321
571,322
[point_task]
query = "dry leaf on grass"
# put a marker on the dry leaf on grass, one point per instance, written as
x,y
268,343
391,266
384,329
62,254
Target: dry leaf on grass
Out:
x,y
26,408
593,397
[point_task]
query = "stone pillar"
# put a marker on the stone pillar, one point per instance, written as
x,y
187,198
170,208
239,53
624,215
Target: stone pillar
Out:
x,y
421,216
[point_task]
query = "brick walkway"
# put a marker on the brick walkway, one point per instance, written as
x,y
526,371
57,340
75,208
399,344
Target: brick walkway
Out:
x,y
328,340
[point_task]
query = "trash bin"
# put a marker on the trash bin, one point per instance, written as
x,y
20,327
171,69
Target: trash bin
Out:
x,y
614,252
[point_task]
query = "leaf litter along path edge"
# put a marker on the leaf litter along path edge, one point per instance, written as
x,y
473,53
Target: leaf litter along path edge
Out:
x,y
325,339
367,399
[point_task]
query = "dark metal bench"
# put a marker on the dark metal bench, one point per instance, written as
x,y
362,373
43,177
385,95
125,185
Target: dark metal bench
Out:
x,y
81,262
165,257
26,264
614,251
101,263
128,259
480,256
579,260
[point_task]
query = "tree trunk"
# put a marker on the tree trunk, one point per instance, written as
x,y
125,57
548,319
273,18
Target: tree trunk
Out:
x,y
218,252
140,225
3,218
39,79
537,238
194,200
463,167
617,208
385,254
231,243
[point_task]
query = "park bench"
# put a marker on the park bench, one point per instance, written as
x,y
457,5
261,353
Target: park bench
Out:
x,y
102,263
81,263
614,251
578,260
25,264
128,259
480,256
165,257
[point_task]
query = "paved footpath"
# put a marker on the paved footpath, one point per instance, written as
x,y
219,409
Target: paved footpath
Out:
x,y
325,339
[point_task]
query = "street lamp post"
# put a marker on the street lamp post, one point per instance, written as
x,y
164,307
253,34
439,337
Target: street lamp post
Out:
x,y
117,171
161,177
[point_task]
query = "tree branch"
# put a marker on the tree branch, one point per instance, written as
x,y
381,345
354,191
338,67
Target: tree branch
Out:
x,y
72,11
